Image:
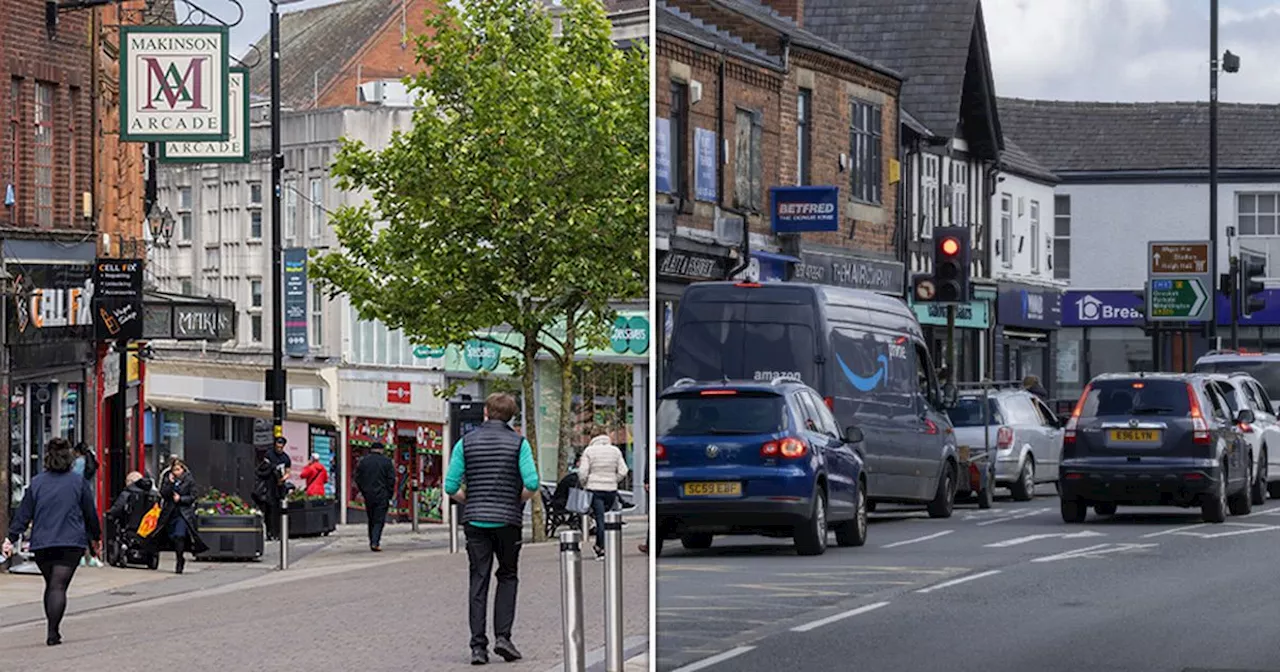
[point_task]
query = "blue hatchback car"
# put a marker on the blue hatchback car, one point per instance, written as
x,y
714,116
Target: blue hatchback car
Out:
x,y
757,458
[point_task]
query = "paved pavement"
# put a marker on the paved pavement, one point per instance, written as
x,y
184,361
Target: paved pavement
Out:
x,y
337,607
1011,588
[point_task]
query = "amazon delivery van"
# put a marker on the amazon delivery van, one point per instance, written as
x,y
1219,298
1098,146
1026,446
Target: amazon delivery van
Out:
x,y
863,352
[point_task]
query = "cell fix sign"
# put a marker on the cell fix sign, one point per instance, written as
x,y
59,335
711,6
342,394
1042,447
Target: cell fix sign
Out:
x,y
235,149
117,299
174,83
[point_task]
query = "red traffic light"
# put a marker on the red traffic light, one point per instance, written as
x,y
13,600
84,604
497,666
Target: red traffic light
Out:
x,y
950,247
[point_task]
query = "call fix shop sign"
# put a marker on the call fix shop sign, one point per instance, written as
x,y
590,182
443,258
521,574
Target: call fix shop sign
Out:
x,y
174,83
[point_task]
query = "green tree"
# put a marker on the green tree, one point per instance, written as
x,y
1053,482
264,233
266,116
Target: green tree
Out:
x,y
519,198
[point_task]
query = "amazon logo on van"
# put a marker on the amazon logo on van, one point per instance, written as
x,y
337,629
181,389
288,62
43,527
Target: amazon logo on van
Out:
x,y
771,375
866,383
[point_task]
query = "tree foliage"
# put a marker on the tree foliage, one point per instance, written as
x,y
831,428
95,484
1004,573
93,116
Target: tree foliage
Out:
x,y
518,199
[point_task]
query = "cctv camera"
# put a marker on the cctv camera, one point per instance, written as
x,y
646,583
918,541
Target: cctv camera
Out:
x,y
1230,62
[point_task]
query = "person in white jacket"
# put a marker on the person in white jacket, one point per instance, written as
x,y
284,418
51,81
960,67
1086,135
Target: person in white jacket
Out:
x,y
600,469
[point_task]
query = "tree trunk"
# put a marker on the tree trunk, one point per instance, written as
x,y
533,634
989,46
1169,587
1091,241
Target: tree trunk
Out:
x,y
530,356
567,368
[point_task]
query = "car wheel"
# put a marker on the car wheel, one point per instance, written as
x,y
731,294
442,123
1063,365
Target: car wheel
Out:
x,y
697,542
154,561
1273,489
854,532
1213,506
1074,511
1240,504
1258,489
811,536
1024,489
987,495
944,502
1105,508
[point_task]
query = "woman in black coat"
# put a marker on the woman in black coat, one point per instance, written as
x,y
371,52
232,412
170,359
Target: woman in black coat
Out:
x,y
178,512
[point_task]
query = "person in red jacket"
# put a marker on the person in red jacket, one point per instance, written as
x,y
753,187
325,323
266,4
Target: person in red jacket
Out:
x,y
315,475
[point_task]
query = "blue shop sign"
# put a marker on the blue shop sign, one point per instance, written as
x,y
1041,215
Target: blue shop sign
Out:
x,y
803,209
1103,308
1029,306
704,168
662,157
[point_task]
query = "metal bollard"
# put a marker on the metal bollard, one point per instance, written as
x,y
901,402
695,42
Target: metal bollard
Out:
x,y
613,591
284,533
414,504
575,653
453,526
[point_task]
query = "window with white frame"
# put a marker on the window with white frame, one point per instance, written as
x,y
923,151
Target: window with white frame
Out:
x,y
1060,262
930,170
255,193
865,152
1006,230
255,224
44,153
317,207
959,172
1035,236
184,215
290,208
184,286
317,317
255,327
255,292
1257,213
373,343
212,258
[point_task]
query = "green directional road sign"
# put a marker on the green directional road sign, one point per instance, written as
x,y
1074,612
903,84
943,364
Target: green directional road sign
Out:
x,y
1177,299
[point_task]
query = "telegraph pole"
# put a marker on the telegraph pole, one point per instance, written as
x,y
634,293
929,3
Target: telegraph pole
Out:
x,y
1214,280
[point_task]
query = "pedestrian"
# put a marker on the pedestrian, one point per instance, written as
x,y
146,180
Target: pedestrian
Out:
x,y
315,475
492,474
86,465
178,513
600,469
1032,384
273,485
64,521
136,488
376,479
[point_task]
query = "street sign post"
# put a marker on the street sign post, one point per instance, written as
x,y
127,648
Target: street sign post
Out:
x,y
1179,282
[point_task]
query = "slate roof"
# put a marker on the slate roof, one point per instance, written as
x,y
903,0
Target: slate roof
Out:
x,y
767,16
925,40
1017,161
1090,136
676,22
318,40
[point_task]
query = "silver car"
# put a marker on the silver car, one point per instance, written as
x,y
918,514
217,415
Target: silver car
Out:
x,y
1025,434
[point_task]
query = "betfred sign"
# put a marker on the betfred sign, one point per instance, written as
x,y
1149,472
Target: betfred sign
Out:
x,y
174,83
802,209
1107,308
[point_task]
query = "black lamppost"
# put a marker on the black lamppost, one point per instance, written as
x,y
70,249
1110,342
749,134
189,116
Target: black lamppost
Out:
x,y
1230,63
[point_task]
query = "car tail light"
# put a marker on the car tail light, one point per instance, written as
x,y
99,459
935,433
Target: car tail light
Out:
x,y
1199,426
1004,438
660,452
718,393
789,448
930,427
831,404
1069,432
1194,477
1246,428
747,284
975,478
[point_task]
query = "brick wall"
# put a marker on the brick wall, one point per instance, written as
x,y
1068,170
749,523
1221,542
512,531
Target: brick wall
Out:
x,y
63,63
119,186
385,56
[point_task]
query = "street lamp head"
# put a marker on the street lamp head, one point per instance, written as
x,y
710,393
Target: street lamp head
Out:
x,y
161,225
1230,62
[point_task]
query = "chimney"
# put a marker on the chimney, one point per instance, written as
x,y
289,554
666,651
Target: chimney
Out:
x,y
792,9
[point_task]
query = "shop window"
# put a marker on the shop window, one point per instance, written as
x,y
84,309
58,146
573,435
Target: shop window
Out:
x,y
1118,350
602,404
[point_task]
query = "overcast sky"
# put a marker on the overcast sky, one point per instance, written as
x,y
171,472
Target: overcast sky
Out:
x,y
1131,50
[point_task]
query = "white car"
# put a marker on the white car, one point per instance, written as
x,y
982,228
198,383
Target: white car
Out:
x,y
1024,433
1263,434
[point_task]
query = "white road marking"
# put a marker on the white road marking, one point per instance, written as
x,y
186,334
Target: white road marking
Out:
x,y
1094,551
813,625
1275,511
956,582
919,539
714,660
1036,537
1016,516
1232,533
1174,530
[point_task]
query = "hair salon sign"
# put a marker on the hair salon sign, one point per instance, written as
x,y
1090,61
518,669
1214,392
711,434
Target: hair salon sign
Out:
x,y
174,83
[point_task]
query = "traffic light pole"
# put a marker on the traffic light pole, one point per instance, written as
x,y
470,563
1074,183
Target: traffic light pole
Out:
x,y
1236,295
951,344
1213,173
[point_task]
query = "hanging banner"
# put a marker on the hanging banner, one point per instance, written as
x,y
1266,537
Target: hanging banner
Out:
x,y
235,149
174,83
117,299
295,302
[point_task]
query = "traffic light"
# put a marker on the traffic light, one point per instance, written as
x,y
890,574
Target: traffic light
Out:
x,y
951,263
1252,269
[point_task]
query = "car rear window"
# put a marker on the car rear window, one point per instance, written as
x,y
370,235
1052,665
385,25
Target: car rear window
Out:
x,y
968,412
1136,397
695,413
1267,373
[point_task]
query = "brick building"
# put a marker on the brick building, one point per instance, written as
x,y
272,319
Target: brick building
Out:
x,y
795,110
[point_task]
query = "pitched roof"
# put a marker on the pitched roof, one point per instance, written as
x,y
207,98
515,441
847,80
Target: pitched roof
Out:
x,y
315,44
928,41
1017,161
676,22
1090,136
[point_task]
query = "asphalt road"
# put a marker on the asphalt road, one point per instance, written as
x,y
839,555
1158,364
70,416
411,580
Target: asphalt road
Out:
x,y
996,590
363,612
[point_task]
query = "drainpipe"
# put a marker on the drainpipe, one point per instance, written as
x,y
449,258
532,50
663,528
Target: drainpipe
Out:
x,y
901,215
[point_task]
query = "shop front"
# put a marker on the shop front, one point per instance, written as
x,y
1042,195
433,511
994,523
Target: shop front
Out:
x,y
684,263
401,410
51,356
116,464
1103,331
841,268
1028,318
973,319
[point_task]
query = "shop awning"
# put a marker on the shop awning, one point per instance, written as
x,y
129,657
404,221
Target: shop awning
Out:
x,y
187,318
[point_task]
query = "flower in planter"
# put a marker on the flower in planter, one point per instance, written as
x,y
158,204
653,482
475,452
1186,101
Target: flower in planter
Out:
x,y
218,503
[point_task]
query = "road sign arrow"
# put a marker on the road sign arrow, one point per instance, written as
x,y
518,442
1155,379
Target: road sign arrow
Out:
x,y
1037,537
1200,296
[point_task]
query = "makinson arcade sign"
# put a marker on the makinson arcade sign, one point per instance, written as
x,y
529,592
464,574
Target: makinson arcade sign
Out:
x,y
174,83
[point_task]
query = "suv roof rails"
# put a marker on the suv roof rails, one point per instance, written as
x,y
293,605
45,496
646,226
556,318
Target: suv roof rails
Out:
x,y
684,382
785,379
